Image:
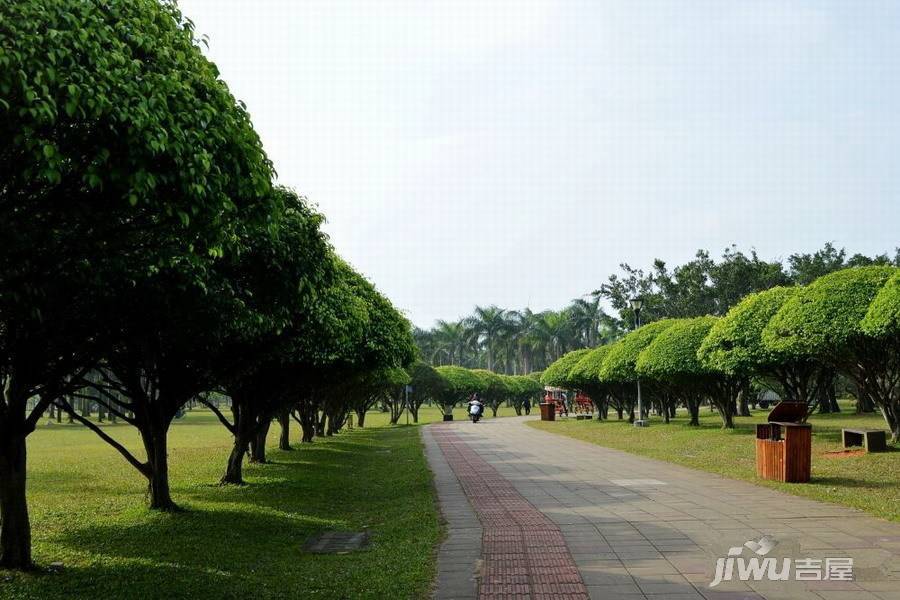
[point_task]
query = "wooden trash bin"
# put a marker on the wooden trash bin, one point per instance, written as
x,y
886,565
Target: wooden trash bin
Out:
x,y
784,445
548,411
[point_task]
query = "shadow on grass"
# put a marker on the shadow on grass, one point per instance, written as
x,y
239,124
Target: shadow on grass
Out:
x,y
240,542
218,553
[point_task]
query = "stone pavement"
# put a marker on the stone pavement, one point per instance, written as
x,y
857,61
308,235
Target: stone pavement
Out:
x,y
633,527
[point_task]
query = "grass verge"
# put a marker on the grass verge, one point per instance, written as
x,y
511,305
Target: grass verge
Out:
x,y
89,512
870,482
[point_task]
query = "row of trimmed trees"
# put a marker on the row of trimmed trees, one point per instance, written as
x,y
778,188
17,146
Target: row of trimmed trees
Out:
x,y
794,340
522,341
459,383
148,258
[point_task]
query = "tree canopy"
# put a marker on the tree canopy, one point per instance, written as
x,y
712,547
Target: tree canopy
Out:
x,y
672,354
734,344
828,321
557,374
823,318
620,361
586,372
882,320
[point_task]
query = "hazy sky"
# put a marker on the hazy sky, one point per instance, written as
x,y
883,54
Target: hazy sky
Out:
x,y
514,152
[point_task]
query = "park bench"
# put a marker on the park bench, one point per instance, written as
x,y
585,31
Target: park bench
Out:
x,y
873,440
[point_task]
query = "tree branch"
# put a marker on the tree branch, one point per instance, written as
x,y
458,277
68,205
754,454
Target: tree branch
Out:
x,y
143,468
222,418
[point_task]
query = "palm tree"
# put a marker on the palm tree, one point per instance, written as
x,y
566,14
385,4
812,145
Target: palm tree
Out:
x,y
522,325
591,323
553,335
450,340
486,327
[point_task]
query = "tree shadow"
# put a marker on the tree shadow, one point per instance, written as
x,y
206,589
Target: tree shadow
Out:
x,y
215,553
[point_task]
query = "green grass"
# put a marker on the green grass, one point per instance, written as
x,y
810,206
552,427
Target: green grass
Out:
x,y
88,511
870,482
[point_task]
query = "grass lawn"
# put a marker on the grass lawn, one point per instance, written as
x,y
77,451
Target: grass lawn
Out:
x,y
88,509
870,482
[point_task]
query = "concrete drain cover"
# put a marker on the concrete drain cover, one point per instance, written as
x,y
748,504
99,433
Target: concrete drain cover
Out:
x,y
337,542
637,482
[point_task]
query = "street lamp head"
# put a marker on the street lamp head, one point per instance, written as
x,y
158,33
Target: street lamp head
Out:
x,y
636,303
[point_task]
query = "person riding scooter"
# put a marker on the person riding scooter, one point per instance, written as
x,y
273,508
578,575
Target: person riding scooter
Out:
x,y
475,408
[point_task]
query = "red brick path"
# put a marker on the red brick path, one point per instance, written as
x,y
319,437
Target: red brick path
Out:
x,y
525,555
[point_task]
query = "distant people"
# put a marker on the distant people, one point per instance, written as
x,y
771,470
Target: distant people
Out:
x,y
527,406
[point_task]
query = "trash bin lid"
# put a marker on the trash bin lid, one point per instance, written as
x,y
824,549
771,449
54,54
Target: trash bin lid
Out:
x,y
788,412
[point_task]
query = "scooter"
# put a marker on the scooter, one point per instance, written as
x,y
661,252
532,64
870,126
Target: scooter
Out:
x,y
475,412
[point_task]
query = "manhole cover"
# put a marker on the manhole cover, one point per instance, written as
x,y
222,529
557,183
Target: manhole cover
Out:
x,y
637,482
336,542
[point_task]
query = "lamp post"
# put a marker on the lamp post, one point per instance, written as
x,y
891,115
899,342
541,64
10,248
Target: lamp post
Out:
x,y
636,304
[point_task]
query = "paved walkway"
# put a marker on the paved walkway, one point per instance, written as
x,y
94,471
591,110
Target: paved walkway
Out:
x,y
630,527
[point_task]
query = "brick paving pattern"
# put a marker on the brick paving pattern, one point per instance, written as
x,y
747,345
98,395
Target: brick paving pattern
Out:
x,y
631,527
524,553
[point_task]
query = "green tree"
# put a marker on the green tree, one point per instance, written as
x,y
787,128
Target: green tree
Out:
x,y
450,342
585,376
123,155
487,326
494,389
557,374
882,324
672,361
824,319
427,385
522,388
460,383
618,368
735,346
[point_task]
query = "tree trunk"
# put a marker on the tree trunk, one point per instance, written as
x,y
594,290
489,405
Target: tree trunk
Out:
x,y
892,418
258,443
395,414
494,408
15,527
727,413
284,420
308,417
155,443
693,406
744,399
320,424
234,471
414,411
864,402
361,418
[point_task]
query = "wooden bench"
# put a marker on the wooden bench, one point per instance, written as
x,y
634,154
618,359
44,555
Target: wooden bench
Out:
x,y
873,440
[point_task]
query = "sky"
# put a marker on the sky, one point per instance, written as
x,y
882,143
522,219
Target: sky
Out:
x,y
515,152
